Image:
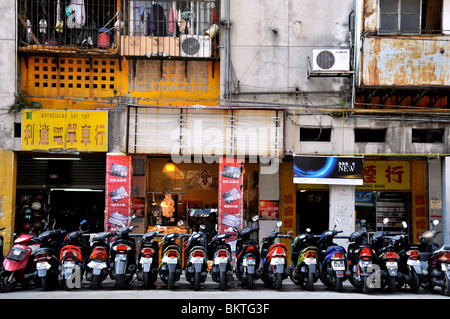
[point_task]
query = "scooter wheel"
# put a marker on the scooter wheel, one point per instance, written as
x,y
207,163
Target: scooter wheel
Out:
x,y
5,285
223,281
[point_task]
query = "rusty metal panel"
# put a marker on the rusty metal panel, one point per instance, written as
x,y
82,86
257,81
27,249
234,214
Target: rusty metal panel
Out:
x,y
406,61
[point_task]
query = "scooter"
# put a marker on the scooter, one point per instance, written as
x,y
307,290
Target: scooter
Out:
x,y
332,260
72,259
97,266
274,257
170,264
148,258
19,266
386,258
360,257
123,257
248,256
221,268
197,261
304,259
409,266
437,262
46,257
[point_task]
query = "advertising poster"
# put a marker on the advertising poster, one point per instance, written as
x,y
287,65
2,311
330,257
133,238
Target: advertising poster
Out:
x,y
269,209
118,190
230,194
332,170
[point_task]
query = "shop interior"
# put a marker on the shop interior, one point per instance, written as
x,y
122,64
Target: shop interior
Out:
x,y
184,191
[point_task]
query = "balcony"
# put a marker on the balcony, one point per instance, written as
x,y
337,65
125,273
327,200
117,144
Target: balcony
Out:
x,y
131,28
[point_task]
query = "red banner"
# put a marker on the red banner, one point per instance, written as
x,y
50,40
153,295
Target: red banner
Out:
x,y
118,191
230,193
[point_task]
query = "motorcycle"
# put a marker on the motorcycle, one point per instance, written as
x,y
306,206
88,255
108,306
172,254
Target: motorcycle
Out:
x,y
97,266
19,266
221,268
332,260
72,259
148,259
170,264
360,261
123,257
197,262
304,258
409,266
248,256
274,260
386,258
436,262
46,257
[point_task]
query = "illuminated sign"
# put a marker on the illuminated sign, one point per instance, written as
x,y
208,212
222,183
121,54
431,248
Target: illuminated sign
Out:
x,y
65,130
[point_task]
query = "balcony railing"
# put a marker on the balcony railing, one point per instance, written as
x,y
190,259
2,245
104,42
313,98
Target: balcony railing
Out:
x,y
128,27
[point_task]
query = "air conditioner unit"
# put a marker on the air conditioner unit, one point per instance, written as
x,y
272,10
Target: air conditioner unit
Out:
x,y
331,61
197,46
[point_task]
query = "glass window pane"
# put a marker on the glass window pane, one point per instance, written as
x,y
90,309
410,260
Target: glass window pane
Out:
x,y
410,6
389,23
410,23
388,6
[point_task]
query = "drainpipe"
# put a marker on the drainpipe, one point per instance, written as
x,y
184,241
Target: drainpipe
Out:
x,y
227,54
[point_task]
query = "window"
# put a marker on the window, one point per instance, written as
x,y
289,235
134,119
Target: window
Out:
x,y
400,16
428,136
410,16
315,134
370,135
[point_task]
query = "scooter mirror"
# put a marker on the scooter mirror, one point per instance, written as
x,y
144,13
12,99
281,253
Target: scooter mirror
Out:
x,y
405,224
255,218
385,221
202,227
230,229
308,230
279,223
158,226
435,222
180,223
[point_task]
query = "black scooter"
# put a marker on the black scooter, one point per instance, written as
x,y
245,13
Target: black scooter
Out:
x,y
46,257
221,268
123,257
197,262
360,261
148,259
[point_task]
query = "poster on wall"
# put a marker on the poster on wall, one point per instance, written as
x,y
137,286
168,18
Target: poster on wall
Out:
x,y
230,194
269,209
332,170
118,191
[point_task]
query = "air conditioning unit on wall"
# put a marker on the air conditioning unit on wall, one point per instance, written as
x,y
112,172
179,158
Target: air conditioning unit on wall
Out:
x,y
332,61
196,46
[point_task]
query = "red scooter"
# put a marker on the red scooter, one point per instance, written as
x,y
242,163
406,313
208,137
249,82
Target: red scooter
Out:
x,y
274,257
19,266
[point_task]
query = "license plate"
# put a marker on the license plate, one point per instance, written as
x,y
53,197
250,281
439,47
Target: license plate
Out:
x,y
146,260
197,260
69,264
121,257
310,261
248,262
338,265
413,262
277,261
391,265
96,265
172,260
43,265
220,260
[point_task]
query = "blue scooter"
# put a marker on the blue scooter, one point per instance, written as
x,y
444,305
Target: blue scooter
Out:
x,y
332,260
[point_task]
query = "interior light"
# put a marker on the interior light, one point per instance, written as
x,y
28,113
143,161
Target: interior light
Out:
x,y
57,158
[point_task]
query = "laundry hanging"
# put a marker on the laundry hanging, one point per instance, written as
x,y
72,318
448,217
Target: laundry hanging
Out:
x,y
157,21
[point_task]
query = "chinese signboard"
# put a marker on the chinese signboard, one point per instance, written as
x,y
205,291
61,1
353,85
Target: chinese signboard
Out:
x,y
333,170
118,188
386,175
230,194
68,130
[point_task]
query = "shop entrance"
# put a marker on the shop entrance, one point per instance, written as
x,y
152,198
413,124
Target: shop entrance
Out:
x,y
312,211
61,188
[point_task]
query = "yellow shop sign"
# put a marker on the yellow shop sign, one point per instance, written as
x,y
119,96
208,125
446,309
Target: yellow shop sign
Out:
x,y
65,130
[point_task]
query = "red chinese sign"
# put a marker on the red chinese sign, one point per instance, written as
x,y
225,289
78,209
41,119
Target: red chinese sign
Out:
x,y
118,189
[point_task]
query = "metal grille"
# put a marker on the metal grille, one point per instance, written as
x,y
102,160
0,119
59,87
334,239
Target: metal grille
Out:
x,y
325,60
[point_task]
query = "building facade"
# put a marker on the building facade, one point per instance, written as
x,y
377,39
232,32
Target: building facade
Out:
x,y
173,110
